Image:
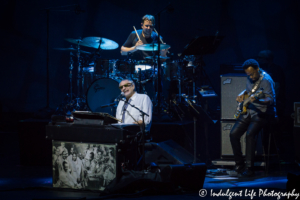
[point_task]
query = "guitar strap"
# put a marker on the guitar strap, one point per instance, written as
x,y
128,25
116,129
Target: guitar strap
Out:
x,y
255,86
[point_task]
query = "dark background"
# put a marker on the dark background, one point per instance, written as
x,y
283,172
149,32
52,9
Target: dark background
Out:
x,y
248,27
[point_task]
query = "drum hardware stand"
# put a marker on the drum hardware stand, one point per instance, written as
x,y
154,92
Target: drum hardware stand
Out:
x,y
179,85
67,105
159,86
159,89
78,75
70,79
140,81
98,53
79,102
58,8
194,82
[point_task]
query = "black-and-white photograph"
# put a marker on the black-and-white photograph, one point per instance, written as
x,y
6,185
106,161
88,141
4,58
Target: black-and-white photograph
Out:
x,y
83,165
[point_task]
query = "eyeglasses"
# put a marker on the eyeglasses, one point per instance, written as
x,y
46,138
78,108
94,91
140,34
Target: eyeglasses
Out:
x,y
126,85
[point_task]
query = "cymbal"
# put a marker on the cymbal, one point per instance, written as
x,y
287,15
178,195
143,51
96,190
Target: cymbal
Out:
x,y
106,44
74,41
152,47
72,49
155,57
94,42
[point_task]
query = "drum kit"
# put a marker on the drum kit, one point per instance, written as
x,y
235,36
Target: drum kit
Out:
x,y
98,79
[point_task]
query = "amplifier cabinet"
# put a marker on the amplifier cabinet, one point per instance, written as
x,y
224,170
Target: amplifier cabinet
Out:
x,y
226,149
231,86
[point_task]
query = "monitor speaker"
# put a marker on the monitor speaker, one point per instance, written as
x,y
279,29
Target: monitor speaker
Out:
x,y
167,153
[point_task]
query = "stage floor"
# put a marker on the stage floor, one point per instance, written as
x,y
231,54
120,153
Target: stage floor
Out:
x,y
35,182
25,182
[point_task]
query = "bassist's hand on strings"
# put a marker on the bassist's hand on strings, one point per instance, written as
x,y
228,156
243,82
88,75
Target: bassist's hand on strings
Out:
x,y
240,98
252,98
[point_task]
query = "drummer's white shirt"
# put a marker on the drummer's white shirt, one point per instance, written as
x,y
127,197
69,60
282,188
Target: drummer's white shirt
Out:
x,y
141,101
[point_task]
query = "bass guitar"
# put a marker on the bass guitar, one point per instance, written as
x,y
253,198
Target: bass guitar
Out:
x,y
242,107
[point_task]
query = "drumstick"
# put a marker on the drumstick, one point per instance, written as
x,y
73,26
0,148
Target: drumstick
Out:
x,y
159,37
137,34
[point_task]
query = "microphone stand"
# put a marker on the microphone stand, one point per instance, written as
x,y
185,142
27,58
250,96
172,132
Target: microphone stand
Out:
x,y
143,130
114,104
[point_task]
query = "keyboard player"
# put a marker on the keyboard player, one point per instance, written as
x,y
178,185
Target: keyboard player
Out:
x,y
127,113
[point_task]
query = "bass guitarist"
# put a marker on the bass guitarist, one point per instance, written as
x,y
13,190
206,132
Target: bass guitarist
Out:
x,y
260,110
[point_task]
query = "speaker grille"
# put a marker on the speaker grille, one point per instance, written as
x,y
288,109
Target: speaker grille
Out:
x,y
231,86
226,149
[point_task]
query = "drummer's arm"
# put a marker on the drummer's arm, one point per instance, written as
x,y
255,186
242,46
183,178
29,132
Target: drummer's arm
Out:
x,y
164,51
131,49
128,49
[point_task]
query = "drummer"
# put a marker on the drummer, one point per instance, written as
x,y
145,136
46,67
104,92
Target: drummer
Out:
x,y
147,36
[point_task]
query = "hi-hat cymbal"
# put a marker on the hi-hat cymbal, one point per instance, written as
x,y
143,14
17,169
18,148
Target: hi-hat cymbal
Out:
x,y
72,49
94,42
152,47
155,57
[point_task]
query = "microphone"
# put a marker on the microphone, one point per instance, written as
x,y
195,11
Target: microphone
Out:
x,y
120,96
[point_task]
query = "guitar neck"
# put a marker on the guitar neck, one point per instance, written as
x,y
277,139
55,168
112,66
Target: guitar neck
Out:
x,y
246,101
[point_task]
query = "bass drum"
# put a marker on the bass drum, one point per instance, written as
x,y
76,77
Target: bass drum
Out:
x,y
101,92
